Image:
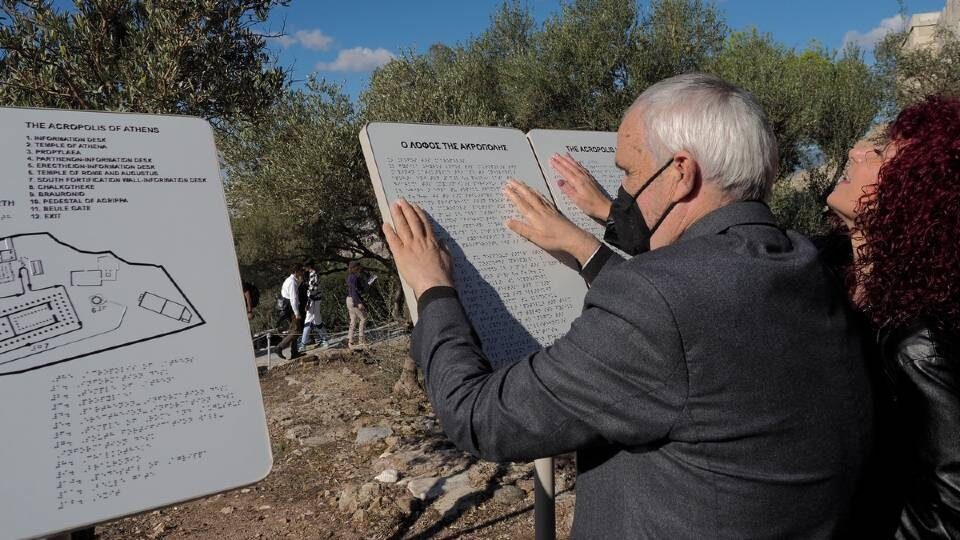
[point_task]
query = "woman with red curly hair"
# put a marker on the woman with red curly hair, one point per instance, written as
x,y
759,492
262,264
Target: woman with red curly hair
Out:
x,y
901,203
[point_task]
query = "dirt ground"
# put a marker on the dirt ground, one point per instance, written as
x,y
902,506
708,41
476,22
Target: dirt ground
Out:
x,y
335,425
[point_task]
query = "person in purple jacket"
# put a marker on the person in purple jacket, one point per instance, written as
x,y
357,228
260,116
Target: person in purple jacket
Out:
x,y
358,313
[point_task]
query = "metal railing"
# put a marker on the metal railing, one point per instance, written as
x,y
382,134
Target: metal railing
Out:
x,y
372,335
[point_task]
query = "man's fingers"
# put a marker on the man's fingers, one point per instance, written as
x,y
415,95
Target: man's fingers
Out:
x,y
530,195
424,221
517,196
413,220
393,241
400,223
519,227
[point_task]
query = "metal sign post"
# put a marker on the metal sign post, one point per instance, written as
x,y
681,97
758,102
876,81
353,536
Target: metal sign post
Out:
x,y
544,506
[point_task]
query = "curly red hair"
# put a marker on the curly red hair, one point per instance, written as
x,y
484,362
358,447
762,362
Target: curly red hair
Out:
x,y
909,264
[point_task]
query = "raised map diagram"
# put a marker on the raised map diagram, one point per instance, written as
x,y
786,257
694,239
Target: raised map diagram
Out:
x,y
58,303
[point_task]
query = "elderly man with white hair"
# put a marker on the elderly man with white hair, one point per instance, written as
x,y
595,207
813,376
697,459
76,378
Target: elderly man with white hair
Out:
x,y
713,385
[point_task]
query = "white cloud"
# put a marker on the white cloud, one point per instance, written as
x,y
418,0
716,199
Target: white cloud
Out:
x,y
869,40
310,39
358,59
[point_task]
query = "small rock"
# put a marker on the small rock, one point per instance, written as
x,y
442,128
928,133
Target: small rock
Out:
x,y
226,510
298,432
346,371
508,495
157,530
407,504
367,493
264,507
526,484
389,476
369,435
291,381
244,490
456,492
421,487
348,499
318,440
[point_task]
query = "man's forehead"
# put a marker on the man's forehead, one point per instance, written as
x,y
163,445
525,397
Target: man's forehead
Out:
x,y
630,135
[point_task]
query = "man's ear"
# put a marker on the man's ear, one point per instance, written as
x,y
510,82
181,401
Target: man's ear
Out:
x,y
687,171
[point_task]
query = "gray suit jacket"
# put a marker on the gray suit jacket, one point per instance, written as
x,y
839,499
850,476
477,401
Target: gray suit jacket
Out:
x,y
713,388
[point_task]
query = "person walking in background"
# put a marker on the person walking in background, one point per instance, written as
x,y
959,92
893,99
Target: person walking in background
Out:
x,y
899,198
293,308
355,307
313,320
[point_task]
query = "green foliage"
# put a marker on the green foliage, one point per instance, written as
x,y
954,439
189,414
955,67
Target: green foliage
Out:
x,y
297,185
800,207
572,73
911,75
199,58
676,36
298,189
445,86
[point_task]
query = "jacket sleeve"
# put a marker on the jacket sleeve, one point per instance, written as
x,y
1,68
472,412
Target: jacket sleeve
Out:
x,y
931,387
603,258
617,377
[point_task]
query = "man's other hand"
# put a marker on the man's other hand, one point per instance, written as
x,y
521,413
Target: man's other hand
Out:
x,y
420,259
545,226
580,187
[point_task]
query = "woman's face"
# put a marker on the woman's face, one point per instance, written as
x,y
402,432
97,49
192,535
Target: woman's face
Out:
x,y
860,178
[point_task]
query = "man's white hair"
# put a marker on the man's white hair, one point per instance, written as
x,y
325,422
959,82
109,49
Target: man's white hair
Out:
x,y
719,124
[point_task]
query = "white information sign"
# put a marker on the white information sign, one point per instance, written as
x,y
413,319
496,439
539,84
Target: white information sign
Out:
x,y
127,379
517,297
594,150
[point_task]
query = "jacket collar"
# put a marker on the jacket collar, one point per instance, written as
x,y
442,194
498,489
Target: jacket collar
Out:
x,y
730,215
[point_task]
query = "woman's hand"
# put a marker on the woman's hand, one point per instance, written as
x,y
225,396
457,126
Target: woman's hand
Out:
x,y
580,187
420,259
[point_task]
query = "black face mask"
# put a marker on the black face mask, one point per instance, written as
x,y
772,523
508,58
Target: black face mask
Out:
x,y
626,228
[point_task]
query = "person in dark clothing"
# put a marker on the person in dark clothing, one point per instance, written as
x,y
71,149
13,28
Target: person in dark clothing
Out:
x,y
899,198
355,305
713,385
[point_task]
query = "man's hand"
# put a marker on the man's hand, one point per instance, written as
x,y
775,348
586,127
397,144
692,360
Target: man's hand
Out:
x,y
580,187
545,226
422,262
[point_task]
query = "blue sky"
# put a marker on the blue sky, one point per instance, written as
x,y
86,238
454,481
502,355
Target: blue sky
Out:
x,y
342,41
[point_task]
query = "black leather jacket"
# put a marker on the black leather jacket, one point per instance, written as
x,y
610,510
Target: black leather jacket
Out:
x,y
924,366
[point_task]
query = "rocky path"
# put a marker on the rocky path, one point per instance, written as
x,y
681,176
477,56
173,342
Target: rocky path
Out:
x,y
354,460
